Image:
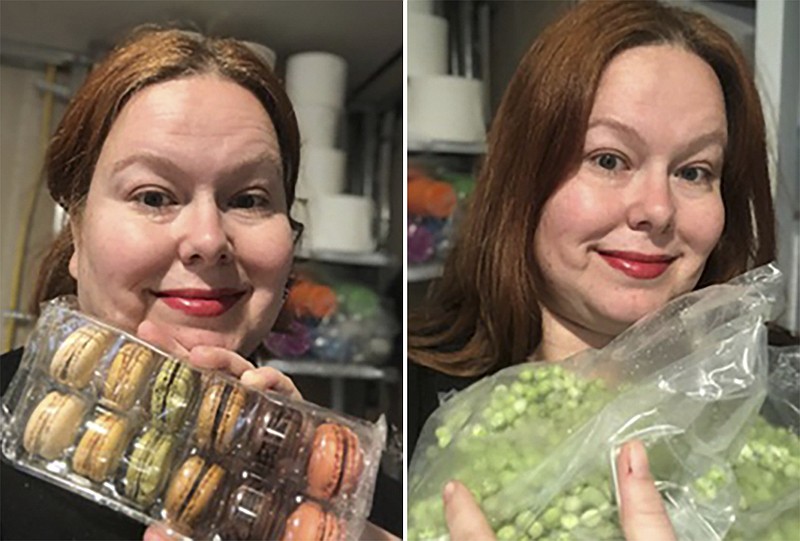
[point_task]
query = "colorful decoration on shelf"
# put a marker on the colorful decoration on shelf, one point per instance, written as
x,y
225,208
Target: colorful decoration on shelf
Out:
x,y
345,322
434,202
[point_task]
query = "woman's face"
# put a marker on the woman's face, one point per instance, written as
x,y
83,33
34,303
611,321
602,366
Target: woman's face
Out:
x,y
185,224
634,225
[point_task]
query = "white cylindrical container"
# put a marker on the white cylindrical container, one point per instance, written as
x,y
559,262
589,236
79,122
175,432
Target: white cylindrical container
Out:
x,y
322,171
341,223
420,6
445,108
316,78
318,124
427,44
266,54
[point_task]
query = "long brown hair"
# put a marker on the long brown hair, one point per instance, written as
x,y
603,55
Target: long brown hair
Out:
x,y
149,56
484,313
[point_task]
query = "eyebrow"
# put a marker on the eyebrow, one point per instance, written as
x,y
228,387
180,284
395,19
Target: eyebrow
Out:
x,y
717,137
163,164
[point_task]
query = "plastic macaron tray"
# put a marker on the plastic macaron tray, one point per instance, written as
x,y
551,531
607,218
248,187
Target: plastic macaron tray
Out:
x,y
103,414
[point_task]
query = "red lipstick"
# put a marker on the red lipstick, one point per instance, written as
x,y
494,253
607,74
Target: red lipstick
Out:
x,y
201,302
636,265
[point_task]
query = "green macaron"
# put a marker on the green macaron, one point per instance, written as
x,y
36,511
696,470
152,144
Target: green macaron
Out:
x,y
173,394
148,466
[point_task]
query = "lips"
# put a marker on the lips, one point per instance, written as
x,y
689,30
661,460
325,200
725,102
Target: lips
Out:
x,y
638,265
201,302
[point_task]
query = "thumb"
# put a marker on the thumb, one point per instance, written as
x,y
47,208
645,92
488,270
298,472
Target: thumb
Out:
x,y
642,513
152,333
464,517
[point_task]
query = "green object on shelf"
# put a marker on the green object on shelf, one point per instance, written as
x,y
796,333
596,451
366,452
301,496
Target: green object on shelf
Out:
x,y
462,183
357,300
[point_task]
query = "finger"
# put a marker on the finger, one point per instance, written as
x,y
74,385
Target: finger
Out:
x,y
269,379
216,358
152,333
158,532
464,517
642,513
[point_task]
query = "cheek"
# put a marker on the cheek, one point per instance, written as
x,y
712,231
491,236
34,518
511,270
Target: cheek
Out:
x,y
705,227
267,254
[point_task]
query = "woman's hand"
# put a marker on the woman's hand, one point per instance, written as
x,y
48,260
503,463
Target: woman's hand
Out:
x,y
642,513
223,360
641,509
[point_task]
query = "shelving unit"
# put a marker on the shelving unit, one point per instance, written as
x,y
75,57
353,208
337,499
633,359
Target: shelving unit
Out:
x,y
80,31
446,147
424,272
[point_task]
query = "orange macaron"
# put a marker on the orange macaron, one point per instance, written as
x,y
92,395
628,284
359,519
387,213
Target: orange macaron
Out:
x,y
309,522
336,461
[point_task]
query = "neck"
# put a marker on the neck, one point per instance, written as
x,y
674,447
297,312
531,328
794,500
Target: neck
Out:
x,y
562,338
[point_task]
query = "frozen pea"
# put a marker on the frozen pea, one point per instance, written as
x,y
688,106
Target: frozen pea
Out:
x,y
551,517
478,430
569,521
498,420
444,436
791,471
520,405
517,388
572,504
526,375
507,532
591,518
523,519
535,530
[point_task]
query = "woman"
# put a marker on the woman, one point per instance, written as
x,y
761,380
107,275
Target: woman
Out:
x,y
176,162
626,165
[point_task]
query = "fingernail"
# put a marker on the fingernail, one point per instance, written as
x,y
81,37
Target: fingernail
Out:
x,y
637,460
248,378
447,493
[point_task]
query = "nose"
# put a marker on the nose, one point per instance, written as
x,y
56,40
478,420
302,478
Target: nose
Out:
x,y
651,203
203,240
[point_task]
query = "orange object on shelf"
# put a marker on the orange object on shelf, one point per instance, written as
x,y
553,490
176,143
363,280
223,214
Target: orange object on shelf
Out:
x,y
308,299
429,197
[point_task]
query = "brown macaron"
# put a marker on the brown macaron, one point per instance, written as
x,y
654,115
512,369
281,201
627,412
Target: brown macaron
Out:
x,y
255,511
279,438
103,442
75,360
221,416
309,522
127,376
53,424
336,462
192,492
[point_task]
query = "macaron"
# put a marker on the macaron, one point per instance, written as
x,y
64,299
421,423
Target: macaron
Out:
x,y
192,492
103,442
279,438
172,394
149,464
127,376
221,416
53,424
76,358
309,522
254,512
336,461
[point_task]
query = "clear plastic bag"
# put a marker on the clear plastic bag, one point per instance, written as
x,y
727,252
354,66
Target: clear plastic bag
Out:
x,y
536,442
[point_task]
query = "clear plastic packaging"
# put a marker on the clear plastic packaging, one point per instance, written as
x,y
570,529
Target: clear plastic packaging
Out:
x,y
103,414
536,443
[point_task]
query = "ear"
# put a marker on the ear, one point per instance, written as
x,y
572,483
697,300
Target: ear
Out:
x,y
73,260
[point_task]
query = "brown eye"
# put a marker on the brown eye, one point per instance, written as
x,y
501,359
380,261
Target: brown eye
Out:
x,y
249,201
154,199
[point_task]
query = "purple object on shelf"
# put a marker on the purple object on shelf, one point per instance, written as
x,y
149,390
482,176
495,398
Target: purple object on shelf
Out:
x,y
420,243
292,344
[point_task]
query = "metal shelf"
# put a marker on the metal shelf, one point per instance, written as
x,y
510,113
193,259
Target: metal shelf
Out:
x,y
370,259
447,147
328,369
424,272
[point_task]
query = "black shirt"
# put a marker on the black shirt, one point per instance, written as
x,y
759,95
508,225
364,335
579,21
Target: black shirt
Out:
x,y
34,509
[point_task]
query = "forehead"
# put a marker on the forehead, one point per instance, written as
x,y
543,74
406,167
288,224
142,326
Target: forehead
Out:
x,y
191,114
663,80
